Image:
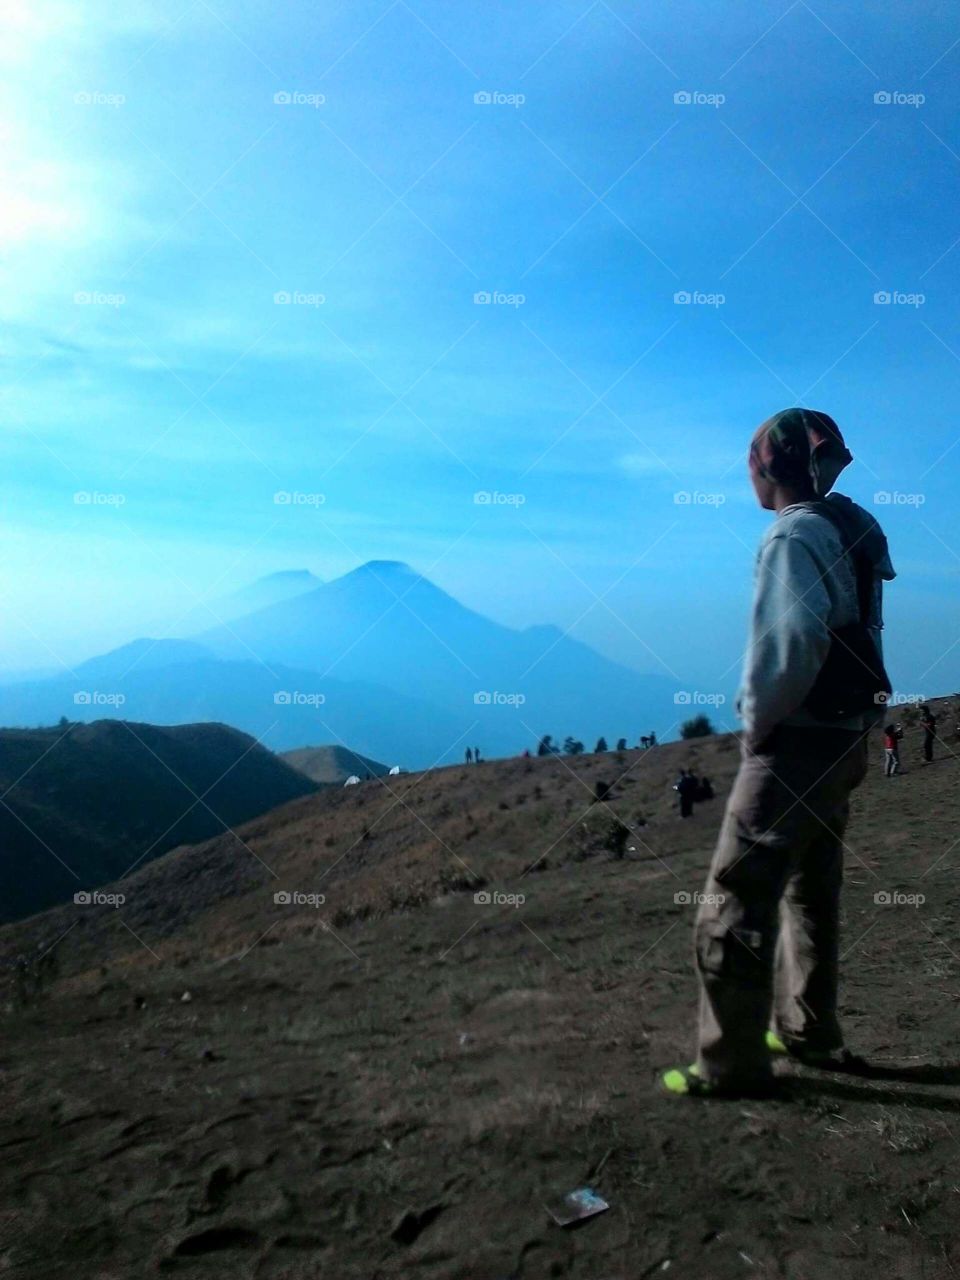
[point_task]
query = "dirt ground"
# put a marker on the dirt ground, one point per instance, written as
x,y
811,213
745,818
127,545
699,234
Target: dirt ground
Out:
x,y
393,1083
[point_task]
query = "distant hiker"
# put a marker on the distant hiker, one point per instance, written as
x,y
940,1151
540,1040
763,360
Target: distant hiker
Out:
x,y
686,788
891,747
767,932
704,789
644,741
476,755
652,739
525,753
469,756
928,723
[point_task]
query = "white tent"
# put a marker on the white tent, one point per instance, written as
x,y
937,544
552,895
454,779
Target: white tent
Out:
x,y
395,769
352,780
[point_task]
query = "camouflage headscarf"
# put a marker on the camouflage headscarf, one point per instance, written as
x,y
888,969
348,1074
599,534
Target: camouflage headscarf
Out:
x,y
796,459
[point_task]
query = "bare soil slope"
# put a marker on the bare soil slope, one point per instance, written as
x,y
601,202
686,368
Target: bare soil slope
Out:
x,y
392,1082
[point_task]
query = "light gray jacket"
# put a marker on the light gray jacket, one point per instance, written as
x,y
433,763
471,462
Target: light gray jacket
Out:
x,y
805,586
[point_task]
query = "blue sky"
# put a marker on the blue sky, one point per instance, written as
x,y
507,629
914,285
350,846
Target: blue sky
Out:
x,y
161,199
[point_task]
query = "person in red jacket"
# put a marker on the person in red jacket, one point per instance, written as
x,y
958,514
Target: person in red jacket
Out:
x,y
891,745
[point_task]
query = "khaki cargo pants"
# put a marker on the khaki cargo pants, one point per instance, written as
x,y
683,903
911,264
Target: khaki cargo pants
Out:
x,y
767,933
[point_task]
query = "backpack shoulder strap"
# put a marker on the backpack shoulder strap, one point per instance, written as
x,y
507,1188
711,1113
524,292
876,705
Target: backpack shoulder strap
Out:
x,y
862,569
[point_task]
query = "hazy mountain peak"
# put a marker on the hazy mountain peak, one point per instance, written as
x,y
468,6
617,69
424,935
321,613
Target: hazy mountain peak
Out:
x,y
291,576
387,568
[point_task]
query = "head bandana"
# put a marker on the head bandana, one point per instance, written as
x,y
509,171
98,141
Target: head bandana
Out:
x,y
796,458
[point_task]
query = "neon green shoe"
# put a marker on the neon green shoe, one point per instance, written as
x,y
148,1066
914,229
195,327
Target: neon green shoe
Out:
x,y
775,1044
687,1082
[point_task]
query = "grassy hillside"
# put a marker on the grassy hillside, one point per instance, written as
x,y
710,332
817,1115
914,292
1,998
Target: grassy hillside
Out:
x,y
82,804
331,765
392,1082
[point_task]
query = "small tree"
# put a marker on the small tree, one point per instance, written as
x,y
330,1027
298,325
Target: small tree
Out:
x,y
698,727
601,745
621,744
572,747
546,745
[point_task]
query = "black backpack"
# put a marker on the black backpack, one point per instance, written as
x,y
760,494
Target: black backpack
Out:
x,y
853,678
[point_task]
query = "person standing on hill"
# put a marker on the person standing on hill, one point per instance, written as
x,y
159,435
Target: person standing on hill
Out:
x,y
686,789
928,723
767,932
891,746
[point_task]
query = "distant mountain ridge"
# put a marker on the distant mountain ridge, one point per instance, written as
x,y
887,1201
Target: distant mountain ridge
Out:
x,y
380,660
